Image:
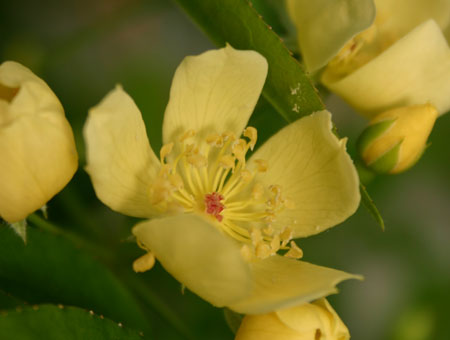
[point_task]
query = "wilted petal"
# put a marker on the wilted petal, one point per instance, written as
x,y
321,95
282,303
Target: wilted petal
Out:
x,y
198,255
120,160
315,173
214,92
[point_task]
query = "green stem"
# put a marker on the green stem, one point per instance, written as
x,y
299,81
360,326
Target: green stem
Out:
x,y
93,248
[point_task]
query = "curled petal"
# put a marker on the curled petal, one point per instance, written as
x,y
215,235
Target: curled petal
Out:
x,y
120,160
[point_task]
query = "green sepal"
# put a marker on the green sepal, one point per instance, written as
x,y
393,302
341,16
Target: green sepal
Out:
x,y
388,161
21,229
233,319
371,133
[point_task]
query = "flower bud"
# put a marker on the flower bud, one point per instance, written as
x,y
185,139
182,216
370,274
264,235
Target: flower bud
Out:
x,y
37,148
395,139
310,321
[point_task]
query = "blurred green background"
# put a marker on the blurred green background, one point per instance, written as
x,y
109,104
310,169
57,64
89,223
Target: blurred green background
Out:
x,y
83,48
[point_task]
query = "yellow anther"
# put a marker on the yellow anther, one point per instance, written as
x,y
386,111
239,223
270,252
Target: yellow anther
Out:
x,y
176,181
275,243
144,263
263,250
215,140
258,191
239,149
251,133
256,236
246,175
269,217
161,191
268,230
227,161
294,252
188,134
197,160
164,170
247,253
276,190
165,150
228,136
286,236
261,165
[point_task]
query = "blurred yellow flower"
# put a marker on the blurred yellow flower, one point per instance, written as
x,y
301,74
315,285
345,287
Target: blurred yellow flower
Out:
x,y
309,321
396,139
400,58
218,218
37,149
397,59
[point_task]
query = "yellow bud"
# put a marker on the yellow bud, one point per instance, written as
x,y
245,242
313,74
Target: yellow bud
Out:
x,y
309,321
37,149
396,139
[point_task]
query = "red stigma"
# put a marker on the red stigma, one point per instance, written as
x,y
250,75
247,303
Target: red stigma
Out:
x,y
213,206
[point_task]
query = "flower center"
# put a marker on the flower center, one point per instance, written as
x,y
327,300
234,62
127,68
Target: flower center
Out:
x,y
210,176
214,206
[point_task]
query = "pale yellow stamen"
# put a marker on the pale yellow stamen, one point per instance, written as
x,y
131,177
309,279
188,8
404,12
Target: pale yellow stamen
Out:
x,y
252,134
188,134
144,263
210,177
261,164
165,150
294,252
215,140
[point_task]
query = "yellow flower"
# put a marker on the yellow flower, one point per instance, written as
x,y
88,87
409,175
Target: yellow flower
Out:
x,y
400,59
218,218
37,149
310,321
396,139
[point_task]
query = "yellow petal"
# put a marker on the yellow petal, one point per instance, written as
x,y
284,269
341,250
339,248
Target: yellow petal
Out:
x,y
309,321
324,26
315,173
37,149
401,16
198,255
120,160
414,70
267,327
280,282
214,92
311,317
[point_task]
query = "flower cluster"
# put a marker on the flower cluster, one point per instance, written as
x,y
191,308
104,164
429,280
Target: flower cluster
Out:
x,y
389,60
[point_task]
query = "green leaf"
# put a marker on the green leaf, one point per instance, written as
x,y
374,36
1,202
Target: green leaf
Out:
x,y
370,205
54,323
288,89
233,319
50,269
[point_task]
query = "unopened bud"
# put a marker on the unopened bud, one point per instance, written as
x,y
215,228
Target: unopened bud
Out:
x,y
395,139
